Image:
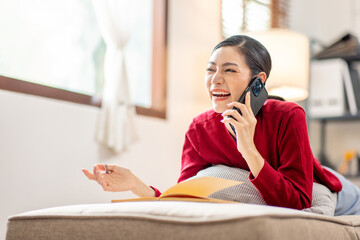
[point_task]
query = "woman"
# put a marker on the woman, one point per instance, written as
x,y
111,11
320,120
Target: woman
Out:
x,y
273,145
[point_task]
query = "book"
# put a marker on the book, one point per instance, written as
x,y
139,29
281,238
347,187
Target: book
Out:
x,y
326,91
349,88
354,68
193,190
346,47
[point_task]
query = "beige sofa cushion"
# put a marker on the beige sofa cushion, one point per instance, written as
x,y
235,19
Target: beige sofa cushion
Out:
x,y
179,220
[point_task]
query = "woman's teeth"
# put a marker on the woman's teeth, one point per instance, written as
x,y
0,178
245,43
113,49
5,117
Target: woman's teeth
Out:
x,y
221,94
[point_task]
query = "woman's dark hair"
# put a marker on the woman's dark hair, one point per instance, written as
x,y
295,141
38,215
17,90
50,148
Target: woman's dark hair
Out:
x,y
256,56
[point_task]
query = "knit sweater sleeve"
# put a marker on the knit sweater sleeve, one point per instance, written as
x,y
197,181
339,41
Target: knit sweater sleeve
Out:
x,y
290,185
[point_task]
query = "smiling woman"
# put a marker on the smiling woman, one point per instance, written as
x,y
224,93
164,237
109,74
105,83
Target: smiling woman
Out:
x,y
54,49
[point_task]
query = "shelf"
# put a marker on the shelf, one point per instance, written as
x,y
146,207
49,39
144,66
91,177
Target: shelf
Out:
x,y
345,117
323,122
353,58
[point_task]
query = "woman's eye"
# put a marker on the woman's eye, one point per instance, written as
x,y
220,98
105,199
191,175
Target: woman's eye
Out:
x,y
210,70
229,70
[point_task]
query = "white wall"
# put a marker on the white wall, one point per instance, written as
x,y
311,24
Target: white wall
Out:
x,y
325,20
44,143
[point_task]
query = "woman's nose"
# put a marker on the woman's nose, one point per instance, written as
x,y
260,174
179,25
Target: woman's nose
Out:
x,y
217,78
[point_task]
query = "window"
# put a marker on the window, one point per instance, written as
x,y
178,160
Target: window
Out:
x,y
252,15
148,85
54,49
53,43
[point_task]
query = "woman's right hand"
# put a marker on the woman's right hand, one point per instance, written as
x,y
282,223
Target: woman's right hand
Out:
x,y
118,179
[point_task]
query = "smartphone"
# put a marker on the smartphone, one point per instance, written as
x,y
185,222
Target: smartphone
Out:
x,y
258,96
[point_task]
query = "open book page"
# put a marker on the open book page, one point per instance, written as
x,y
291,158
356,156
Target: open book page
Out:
x,y
197,189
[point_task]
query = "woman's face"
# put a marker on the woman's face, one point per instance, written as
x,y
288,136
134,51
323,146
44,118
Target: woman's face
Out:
x,y
227,77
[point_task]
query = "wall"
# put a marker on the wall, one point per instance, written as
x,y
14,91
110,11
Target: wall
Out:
x,y
327,21
44,143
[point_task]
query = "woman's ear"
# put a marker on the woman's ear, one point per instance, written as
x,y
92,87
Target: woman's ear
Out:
x,y
262,76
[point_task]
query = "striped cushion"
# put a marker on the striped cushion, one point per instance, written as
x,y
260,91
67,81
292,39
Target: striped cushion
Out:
x,y
324,201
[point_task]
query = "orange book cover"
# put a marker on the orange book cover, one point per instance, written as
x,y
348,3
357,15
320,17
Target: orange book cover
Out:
x,y
194,190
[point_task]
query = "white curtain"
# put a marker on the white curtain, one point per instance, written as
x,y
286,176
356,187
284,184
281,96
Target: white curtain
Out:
x,y
116,128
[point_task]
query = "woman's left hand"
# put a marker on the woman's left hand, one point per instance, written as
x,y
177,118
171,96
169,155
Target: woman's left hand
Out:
x,y
243,123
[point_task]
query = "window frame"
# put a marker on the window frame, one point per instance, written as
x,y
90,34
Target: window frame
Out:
x,y
278,16
158,89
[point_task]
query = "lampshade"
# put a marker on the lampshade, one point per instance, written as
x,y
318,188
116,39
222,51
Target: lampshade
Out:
x,y
289,50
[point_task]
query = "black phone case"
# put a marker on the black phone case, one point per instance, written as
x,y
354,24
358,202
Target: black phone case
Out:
x,y
257,99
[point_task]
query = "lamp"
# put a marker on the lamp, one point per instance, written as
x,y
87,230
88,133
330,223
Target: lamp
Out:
x,y
289,50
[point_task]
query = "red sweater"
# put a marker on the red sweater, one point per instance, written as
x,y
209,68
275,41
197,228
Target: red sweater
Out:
x,y
281,137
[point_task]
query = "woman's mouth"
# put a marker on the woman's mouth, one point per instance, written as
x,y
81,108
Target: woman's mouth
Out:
x,y
220,95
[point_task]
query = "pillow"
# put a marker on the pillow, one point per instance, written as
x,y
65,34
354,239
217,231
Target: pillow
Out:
x,y
324,201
